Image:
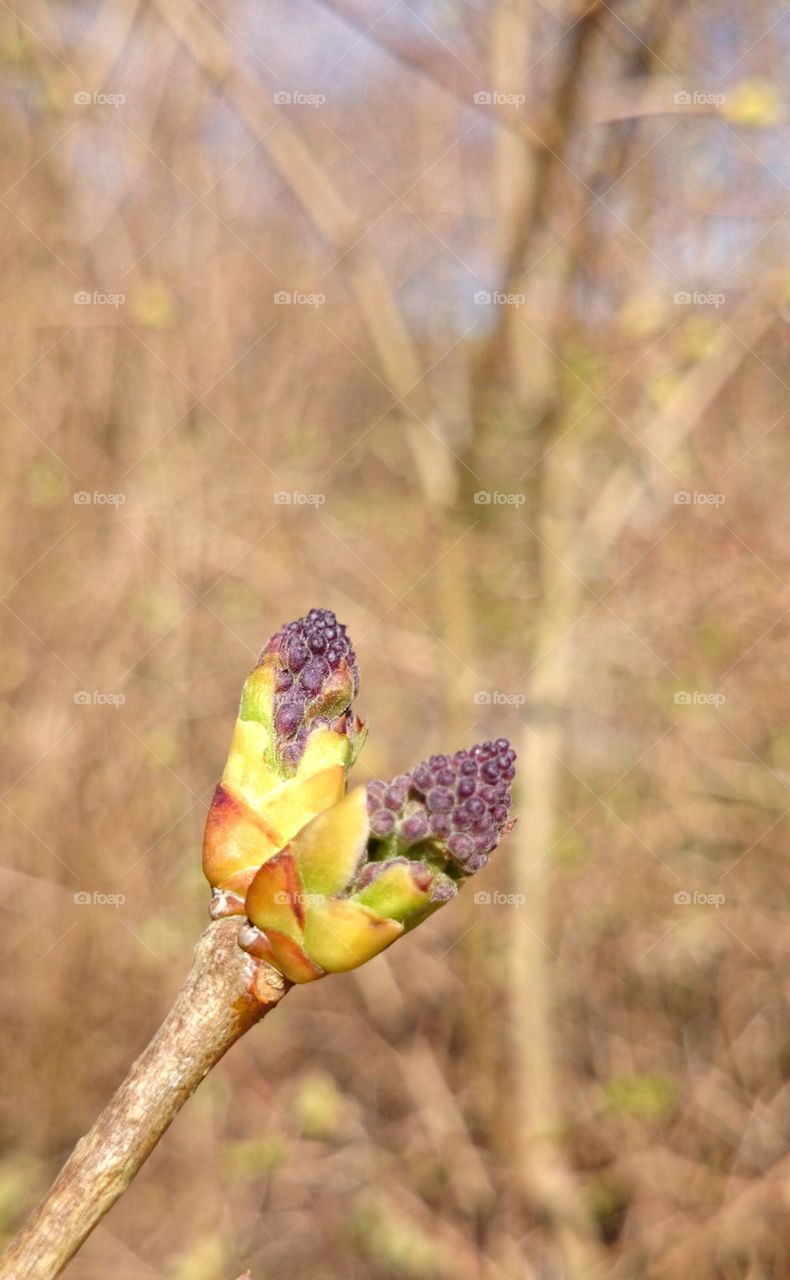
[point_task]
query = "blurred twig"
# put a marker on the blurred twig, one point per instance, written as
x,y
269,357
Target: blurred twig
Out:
x,y
320,200
531,212
375,300
445,72
710,1250
547,1175
665,434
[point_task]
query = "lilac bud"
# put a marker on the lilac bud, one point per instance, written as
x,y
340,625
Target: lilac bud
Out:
x,y
315,681
457,804
461,847
382,823
440,800
422,778
415,828
395,796
288,718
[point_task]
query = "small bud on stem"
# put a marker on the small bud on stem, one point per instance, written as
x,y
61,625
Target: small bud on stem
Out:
x,y
295,739
378,862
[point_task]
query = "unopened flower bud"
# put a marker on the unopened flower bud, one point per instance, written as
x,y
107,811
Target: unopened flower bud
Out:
x,y
457,805
295,739
378,862
305,682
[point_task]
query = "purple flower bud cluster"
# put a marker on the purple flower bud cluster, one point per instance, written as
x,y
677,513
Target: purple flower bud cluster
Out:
x,y
460,803
316,677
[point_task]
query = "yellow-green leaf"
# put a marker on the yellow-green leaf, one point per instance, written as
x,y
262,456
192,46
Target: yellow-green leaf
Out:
x,y
394,893
276,898
329,849
289,957
324,747
341,935
245,770
296,802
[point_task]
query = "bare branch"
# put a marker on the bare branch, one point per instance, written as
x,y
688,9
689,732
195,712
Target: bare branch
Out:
x,y
224,995
446,74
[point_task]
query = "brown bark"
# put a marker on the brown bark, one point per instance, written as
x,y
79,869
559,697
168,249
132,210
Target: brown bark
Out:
x,y
214,1008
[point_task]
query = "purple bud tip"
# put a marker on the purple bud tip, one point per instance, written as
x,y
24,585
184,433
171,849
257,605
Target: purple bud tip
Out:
x,y
396,793
382,823
316,676
442,890
415,828
460,804
376,790
287,718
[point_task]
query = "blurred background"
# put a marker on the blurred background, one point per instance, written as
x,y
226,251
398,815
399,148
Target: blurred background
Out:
x,y
470,322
